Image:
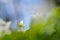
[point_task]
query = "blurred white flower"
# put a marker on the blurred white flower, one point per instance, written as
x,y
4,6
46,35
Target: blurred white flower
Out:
x,y
4,27
21,22
21,26
7,31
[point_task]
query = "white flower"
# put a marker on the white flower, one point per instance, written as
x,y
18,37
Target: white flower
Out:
x,y
4,27
21,26
21,22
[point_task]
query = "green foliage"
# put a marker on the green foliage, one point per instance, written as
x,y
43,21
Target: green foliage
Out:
x,y
40,31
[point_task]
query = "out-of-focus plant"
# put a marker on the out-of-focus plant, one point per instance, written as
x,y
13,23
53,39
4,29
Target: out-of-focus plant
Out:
x,y
4,28
21,25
